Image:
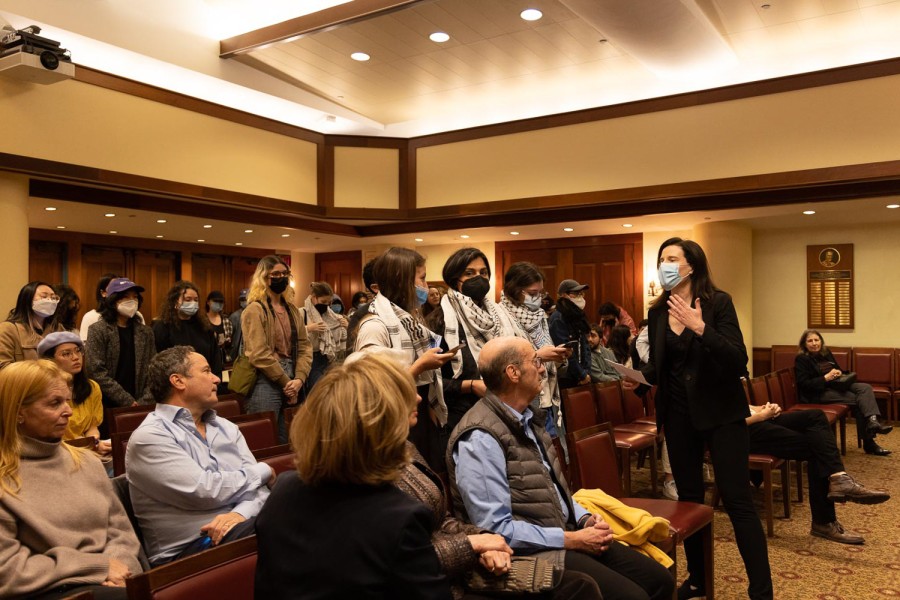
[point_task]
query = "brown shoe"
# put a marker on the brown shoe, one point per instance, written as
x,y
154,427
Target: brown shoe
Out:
x,y
842,488
835,532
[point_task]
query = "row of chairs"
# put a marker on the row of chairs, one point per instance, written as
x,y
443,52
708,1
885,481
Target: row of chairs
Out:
x,y
879,367
635,432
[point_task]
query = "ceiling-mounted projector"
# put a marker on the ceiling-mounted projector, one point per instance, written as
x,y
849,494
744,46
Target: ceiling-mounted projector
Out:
x,y
26,56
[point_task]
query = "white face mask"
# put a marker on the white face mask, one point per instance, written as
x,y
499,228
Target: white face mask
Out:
x,y
532,302
45,307
127,308
189,308
579,302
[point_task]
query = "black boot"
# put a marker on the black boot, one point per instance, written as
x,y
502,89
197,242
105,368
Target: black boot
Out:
x,y
874,427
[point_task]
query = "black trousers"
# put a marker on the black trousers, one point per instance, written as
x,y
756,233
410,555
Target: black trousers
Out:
x,y
803,435
623,573
860,398
729,449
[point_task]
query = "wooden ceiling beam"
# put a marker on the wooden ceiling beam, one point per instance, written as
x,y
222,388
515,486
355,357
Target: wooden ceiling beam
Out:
x,y
322,20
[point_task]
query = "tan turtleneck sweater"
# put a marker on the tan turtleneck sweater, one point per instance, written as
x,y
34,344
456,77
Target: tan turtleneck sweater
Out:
x,y
63,526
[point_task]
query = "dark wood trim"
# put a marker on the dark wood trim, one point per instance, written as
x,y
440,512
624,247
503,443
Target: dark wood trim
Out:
x,y
761,361
326,176
163,96
883,68
590,241
119,241
191,207
343,14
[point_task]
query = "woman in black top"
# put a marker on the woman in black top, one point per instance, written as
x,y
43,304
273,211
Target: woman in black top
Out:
x,y
697,359
182,323
816,371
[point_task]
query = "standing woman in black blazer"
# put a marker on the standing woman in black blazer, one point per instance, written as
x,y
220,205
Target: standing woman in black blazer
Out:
x,y
697,359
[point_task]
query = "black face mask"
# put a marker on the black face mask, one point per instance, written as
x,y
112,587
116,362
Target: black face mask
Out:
x,y
321,308
278,285
476,288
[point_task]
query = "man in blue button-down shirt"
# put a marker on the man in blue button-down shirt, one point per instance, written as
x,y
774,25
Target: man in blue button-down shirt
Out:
x,y
505,477
193,481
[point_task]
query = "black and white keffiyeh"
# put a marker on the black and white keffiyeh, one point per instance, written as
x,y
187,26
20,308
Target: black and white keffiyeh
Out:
x,y
478,324
333,340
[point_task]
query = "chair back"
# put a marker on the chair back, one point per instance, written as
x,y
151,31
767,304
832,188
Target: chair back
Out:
x,y
632,405
788,387
225,571
773,386
747,393
783,357
874,365
289,413
593,460
843,356
280,458
579,407
609,402
119,442
759,390
227,408
260,430
127,418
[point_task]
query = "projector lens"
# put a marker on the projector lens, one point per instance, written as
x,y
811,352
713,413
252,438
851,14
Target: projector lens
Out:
x,y
49,60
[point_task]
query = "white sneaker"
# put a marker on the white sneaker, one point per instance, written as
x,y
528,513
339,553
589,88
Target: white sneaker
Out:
x,y
669,490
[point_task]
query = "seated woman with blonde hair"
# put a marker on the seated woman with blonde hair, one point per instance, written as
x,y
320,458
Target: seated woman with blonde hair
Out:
x,y
337,528
62,528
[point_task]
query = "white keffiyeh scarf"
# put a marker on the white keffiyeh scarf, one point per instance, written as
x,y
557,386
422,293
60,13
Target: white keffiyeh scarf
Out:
x,y
477,323
330,342
414,339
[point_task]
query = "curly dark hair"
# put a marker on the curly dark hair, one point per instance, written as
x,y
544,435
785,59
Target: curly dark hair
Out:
x,y
169,314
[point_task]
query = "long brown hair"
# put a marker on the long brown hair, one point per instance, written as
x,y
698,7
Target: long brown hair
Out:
x,y
395,274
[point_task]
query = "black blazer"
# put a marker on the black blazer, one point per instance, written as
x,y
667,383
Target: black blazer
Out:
x,y
345,541
811,382
715,364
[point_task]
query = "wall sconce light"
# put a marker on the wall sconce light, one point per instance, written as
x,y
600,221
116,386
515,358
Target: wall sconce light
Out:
x,y
654,289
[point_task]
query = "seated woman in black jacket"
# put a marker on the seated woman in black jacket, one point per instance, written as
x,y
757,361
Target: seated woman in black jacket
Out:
x,y
816,370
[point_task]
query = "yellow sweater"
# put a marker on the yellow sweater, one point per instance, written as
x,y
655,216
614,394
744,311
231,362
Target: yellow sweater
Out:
x,y
633,526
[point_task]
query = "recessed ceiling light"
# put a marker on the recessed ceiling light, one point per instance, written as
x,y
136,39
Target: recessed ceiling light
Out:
x,y
531,14
60,226
239,243
159,236
248,231
513,233
160,220
464,236
109,215
439,37
419,240
809,212
765,6
360,56
285,235
113,231
568,229
50,208
893,206
207,227
627,225
201,240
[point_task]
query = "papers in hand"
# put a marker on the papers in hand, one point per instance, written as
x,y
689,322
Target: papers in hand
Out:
x,y
627,373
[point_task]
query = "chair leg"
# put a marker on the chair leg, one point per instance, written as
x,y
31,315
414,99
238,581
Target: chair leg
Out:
x,y
800,481
786,488
706,535
654,475
626,471
767,481
842,423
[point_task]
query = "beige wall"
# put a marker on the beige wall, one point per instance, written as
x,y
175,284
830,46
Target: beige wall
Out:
x,y
841,124
779,284
82,124
366,177
303,269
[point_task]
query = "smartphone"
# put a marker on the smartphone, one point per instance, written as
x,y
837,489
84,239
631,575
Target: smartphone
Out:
x,y
455,348
571,345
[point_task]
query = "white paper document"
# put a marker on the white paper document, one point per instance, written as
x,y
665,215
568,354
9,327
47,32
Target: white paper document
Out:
x,y
629,373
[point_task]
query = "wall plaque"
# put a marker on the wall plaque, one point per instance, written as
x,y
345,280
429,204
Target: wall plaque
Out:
x,y
829,284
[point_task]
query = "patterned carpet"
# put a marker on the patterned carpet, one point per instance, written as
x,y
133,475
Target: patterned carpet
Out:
x,y
806,567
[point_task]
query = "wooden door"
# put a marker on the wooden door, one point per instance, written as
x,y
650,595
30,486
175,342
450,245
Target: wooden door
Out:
x,y
46,262
156,272
242,270
212,273
95,263
610,265
341,270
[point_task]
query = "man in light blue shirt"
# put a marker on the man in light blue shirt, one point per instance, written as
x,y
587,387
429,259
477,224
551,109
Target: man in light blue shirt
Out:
x,y
193,481
505,476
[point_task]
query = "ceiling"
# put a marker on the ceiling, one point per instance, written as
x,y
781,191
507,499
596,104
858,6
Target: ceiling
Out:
x,y
495,67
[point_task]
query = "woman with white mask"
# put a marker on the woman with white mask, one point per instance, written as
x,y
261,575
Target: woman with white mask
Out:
x,y
182,323
27,323
119,346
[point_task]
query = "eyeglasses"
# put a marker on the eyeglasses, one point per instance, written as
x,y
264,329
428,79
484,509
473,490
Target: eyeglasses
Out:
x,y
576,294
53,297
70,354
536,361
279,274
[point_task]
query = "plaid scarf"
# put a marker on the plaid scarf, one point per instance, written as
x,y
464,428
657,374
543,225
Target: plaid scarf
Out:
x,y
333,339
479,324
414,339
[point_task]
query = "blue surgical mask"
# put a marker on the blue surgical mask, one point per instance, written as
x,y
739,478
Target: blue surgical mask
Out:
x,y
337,309
533,303
421,295
670,275
216,307
189,308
